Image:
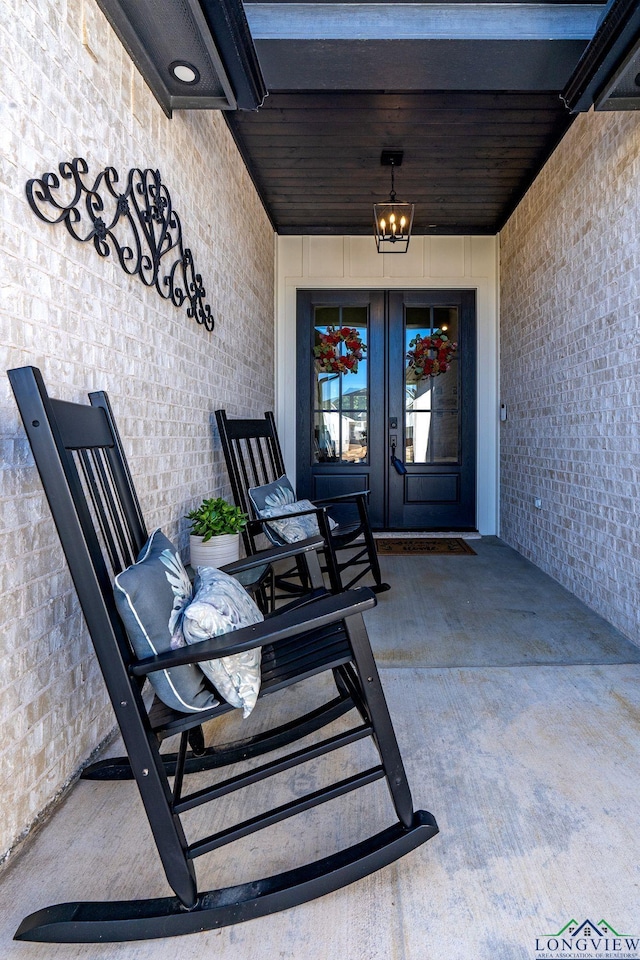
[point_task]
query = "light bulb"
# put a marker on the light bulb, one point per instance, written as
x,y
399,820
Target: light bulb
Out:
x,y
392,218
383,224
403,220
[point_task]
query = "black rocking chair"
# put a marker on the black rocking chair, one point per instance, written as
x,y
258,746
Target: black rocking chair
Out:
x,y
87,482
254,458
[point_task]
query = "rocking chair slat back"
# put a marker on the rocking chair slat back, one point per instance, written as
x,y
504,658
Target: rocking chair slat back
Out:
x,y
253,455
254,458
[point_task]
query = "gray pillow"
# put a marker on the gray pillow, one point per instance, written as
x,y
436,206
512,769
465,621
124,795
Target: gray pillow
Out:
x,y
221,604
151,596
277,498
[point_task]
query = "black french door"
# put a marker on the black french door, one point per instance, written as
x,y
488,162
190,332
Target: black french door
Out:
x,y
350,424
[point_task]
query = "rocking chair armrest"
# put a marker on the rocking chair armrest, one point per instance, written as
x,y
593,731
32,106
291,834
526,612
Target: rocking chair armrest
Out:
x,y
304,619
263,557
342,498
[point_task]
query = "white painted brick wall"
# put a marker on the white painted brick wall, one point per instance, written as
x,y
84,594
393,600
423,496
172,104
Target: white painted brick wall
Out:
x,y
70,90
570,368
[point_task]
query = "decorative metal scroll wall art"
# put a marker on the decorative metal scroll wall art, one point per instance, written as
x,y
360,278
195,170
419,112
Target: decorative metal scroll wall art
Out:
x,y
139,225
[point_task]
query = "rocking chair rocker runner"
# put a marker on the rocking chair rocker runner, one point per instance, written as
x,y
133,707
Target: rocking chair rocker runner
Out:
x,y
254,459
84,472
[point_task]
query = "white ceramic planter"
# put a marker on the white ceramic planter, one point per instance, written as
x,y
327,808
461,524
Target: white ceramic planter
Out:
x,y
215,552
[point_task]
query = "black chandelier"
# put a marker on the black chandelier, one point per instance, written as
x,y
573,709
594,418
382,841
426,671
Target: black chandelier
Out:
x,y
392,221
136,222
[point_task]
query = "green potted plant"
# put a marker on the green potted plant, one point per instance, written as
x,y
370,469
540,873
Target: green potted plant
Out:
x,y
215,533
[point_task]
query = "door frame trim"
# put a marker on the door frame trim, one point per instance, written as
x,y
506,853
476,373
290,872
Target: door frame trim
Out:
x,y
470,262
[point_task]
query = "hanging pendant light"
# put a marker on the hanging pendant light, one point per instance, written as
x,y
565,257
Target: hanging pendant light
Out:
x,y
392,221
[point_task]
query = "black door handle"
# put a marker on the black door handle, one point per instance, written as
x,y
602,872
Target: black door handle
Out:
x,y
397,464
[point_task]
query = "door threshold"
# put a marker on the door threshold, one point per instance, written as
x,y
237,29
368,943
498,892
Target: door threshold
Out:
x,y
427,534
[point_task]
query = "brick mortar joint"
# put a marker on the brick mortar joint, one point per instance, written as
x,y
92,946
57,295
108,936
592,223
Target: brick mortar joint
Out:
x,y
31,831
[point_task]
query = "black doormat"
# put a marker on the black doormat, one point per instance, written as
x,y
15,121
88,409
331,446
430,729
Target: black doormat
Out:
x,y
452,546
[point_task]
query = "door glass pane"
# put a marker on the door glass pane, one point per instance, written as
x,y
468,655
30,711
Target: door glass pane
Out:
x,y
432,402
341,414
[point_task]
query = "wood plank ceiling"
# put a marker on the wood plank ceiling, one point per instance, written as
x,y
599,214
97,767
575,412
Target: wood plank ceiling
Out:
x,y
476,113
468,157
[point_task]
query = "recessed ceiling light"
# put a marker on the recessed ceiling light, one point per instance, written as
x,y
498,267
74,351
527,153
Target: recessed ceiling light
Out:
x,y
184,72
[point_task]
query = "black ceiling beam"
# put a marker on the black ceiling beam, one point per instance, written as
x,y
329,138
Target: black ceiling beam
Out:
x,y
229,27
418,65
420,46
211,37
608,63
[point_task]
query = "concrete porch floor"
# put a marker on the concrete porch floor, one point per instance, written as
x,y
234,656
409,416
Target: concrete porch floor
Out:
x,y
518,715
